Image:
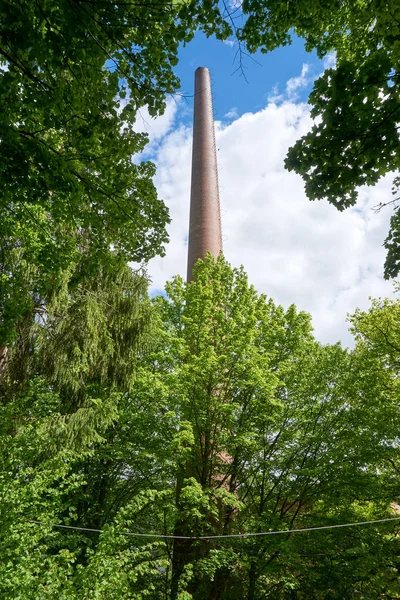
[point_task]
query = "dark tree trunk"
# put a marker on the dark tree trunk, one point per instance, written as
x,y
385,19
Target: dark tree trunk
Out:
x,y
182,554
218,586
3,359
251,594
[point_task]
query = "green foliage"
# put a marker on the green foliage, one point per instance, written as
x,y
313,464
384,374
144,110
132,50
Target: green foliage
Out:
x,y
85,346
73,76
212,411
223,417
356,104
281,429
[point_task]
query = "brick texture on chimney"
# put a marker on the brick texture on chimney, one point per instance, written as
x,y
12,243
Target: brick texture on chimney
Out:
x,y
205,215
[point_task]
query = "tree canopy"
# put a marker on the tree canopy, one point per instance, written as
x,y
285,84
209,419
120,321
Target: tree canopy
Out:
x,y
73,76
356,104
211,411
224,417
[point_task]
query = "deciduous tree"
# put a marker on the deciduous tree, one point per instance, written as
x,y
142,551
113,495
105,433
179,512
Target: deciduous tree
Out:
x,y
225,418
73,77
355,139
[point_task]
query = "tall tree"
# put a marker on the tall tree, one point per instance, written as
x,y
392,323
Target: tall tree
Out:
x,y
356,104
278,433
377,336
73,76
60,397
228,419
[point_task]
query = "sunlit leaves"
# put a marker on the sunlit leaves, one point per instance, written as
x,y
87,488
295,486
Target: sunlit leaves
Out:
x,y
74,75
355,140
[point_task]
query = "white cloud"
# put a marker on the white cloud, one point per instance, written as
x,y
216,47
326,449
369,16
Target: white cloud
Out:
x,y
329,61
274,97
295,84
232,113
294,250
158,127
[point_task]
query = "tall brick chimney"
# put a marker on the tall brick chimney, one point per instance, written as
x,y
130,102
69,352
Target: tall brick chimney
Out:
x,y
205,217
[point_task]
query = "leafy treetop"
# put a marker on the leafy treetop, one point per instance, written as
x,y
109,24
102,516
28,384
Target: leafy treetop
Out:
x,y
356,105
73,76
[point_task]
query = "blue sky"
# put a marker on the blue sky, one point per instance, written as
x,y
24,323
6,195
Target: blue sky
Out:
x,y
262,73
295,251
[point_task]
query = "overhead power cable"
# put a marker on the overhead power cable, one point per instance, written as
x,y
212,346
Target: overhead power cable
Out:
x,y
219,537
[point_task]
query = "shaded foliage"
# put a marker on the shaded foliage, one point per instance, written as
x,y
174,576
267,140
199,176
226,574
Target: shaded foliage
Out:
x,y
354,140
73,77
224,417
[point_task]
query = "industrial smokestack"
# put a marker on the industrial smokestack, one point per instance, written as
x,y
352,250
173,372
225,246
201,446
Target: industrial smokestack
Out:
x,y
205,217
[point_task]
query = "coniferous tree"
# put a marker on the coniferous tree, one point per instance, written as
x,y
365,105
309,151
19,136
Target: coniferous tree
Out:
x,y
224,417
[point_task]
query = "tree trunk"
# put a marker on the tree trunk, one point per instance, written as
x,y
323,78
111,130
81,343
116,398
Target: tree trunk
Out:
x,y
252,582
219,584
181,556
3,359
180,548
